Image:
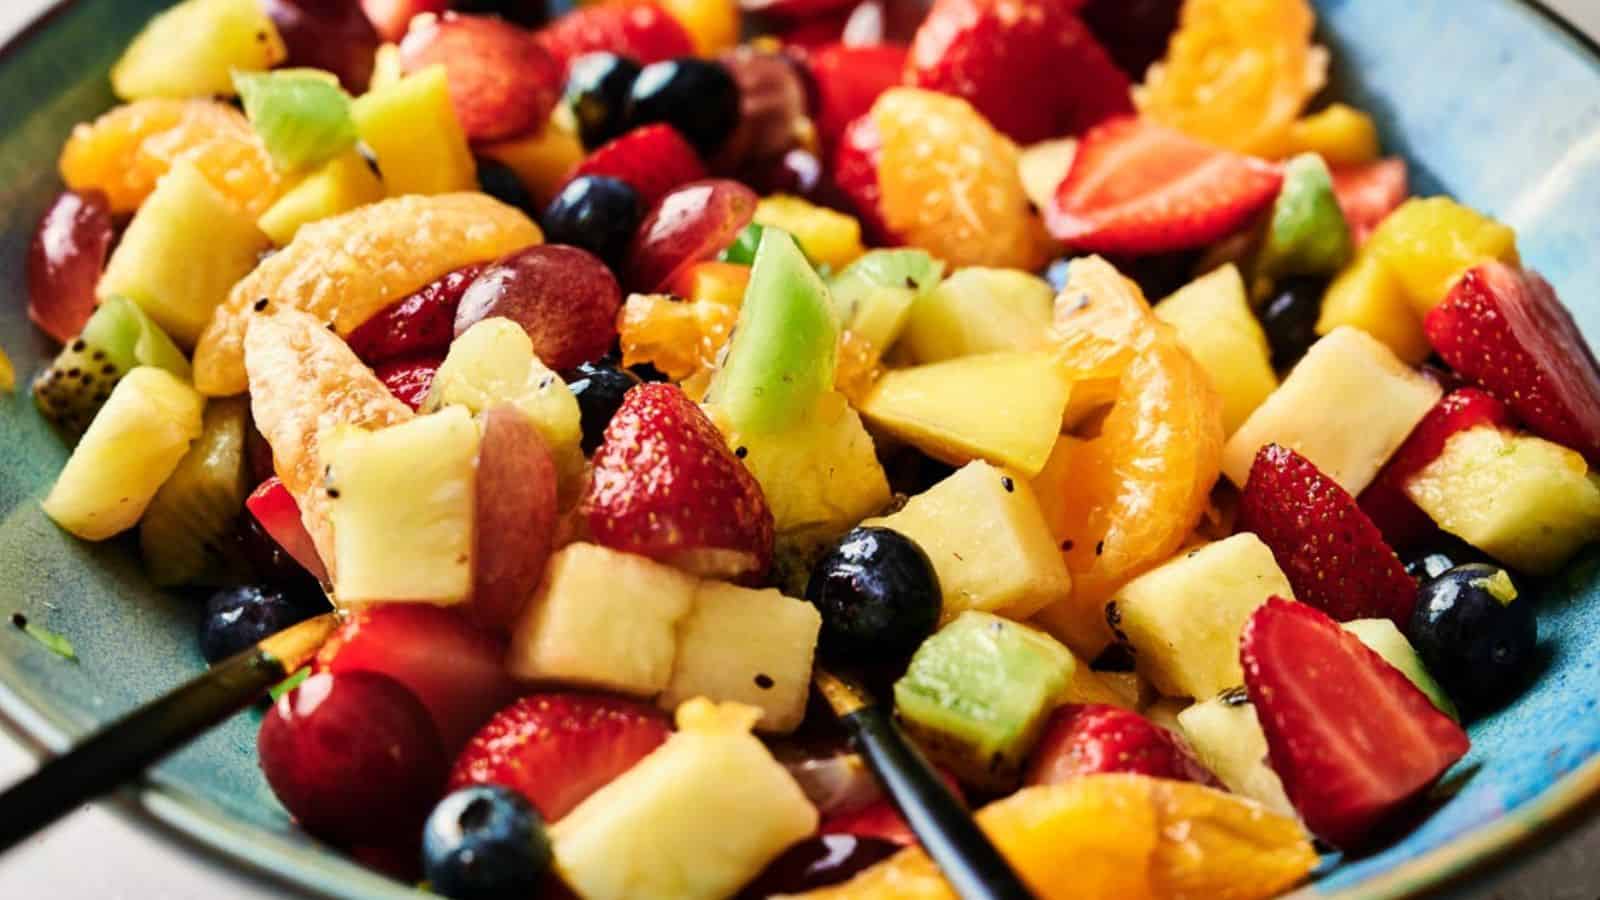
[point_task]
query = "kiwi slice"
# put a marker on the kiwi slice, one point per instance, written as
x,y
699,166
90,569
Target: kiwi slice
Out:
x,y
116,338
302,116
185,532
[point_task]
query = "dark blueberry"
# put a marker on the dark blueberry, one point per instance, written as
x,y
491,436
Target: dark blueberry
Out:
x,y
1160,275
1475,630
1057,273
878,595
1440,556
485,842
598,85
499,181
1290,318
595,213
817,863
527,13
911,471
238,617
698,98
599,388
743,248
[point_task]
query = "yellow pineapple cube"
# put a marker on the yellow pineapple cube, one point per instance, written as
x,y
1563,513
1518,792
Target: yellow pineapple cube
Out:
x,y
977,311
412,128
1043,166
1342,135
342,184
542,160
1215,324
828,237
1367,296
193,49
1225,734
1428,242
386,67
1525,501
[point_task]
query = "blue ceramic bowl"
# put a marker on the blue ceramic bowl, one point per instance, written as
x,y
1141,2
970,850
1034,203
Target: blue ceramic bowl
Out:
x,y
1495,101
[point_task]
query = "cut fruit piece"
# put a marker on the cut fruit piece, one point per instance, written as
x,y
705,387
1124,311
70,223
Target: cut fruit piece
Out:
x,y
302,115
279,515
876,296
193,49
1095,739
988,542
184,530
412,128
1523,500
542,160
567,633
1183,618
117,337
749,647
1366,295
1383,638
697,818
1225,734
977,694
402,509
344,183
949,410
1043,166
1347,407
1126,836
132,446
1428,242
1306,232
1340,134
518,513
829,238
1215,324
1368,193
184,250
977,311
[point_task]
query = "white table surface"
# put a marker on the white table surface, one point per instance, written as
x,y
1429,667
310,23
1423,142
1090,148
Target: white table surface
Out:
x,y
103,853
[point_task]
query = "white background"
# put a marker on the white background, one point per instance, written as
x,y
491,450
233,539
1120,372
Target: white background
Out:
x,y
101,853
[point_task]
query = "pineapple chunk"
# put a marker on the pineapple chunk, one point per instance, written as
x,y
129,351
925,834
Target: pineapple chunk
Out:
x,y
1340,134
694,820
1346,407
750,647
989,543
1427,244
132,446
403,511
542,160
386,67
1383,637
829,238
183,252
1005,408
1183,617
412,128
1225,734
1523,500
1214,323
1043,166
193,49
341,185
979,311
1366,296
569,633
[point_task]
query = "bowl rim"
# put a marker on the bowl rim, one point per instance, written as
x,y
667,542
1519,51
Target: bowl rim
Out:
x,y
177,812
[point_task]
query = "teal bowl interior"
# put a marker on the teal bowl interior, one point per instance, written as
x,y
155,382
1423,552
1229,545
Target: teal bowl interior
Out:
x,y
1493,101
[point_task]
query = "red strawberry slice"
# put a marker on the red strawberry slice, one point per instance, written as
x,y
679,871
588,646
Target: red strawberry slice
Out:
x,y
666,486
1096,738
275,508
847,81
1334,557
642,32
653,160
1352,738
1137,188
1367,194
855,173
1030,66
410,378
1385,501
424,322
558,748
455,668
1507,331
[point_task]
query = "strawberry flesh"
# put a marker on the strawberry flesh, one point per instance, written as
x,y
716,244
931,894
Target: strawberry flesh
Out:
x,y
1507,331
881,819
1097,738
653,160
1367,194
411,378
1136,187
275,508
1351,737
423,322
558,748
1334,557
855,173
1385,501
642,32
846,81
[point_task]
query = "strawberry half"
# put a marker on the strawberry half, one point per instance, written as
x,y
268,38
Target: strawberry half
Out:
x,y
1030,66
1138,188
846,81
275,508
642,32
653,160
558,748
1367,194
423,322
855,173
1095,738
666,486
1507,331
1385,501
1352,738
1332,554
411,378
455,668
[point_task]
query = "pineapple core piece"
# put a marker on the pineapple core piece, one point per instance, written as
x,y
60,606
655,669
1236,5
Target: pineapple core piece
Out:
x,y
694,820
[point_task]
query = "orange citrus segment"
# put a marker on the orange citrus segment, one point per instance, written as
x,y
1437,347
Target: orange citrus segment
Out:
x,y
345,269
1237,73
679,337
1126,836
126,151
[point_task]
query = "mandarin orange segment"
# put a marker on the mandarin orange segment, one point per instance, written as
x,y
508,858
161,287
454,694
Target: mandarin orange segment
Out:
x,y
951,183
1126,836
679,337
346,268
1237,73
126,151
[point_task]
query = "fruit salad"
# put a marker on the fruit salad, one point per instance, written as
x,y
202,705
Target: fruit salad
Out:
x,y
1072,371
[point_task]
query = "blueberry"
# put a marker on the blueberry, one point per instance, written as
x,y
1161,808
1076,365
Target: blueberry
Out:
x,y
1290,319
499,181
598,85
595,213
698,98
1058,272
878,595
1475,631
238,617
1159,275
599,388
485,843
